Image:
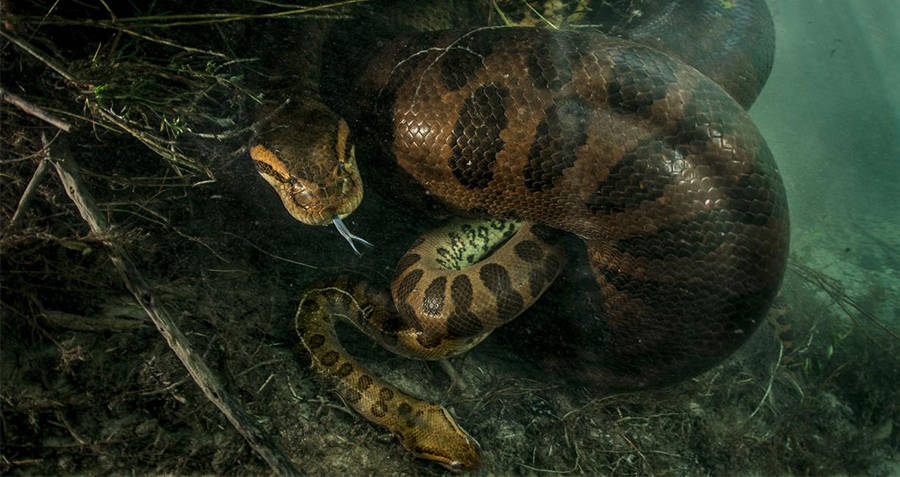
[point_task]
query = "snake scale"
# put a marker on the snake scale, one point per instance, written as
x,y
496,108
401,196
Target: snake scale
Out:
x,y
620,140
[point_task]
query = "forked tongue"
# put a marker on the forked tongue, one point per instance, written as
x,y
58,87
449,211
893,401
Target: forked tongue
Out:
x,y
342,229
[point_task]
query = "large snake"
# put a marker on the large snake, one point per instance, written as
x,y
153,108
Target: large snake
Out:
x,y
624,143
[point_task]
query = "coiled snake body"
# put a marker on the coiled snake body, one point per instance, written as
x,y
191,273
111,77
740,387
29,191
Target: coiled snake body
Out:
x,y
656,167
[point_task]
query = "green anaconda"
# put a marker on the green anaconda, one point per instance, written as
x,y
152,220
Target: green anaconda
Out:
x,y
637,143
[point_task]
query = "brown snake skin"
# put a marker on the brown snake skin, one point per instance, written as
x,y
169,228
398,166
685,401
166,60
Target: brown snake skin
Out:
x,y
653,165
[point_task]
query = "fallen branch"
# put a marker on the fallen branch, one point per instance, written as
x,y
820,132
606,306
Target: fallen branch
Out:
x,y
834,290
34,110
60,157
33,184
45,59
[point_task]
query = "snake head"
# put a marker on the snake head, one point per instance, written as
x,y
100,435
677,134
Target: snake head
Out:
x,y
306,155
440,439
467,461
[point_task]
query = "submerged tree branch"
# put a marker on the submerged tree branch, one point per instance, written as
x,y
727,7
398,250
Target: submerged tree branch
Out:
x,y
34,110
52,64
33,184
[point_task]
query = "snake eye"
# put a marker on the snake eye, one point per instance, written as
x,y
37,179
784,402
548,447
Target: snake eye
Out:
x,y
303,192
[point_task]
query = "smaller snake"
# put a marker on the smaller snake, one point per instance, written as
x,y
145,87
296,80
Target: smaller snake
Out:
x,y
426,429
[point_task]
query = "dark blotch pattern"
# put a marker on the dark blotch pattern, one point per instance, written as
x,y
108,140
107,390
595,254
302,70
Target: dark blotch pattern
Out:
x,y
315,341
433,302
559,135
700,234
462,322
710,297
475,140
641,175
409,284
496,279
385,394
665,298
529,251
641,76
539,277
406,261
409,317
536,281
430,340
552,60
458,66
708,115
404,408
752,200
329,358
460,63
364,382
379,409
344,370
461,292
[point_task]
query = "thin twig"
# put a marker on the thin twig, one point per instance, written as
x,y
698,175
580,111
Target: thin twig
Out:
x,y
40,56
833,288
59,155
36,179
276,257
548,471
151,141
542,17
34,110
189,19
165,21
771,380
163,41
